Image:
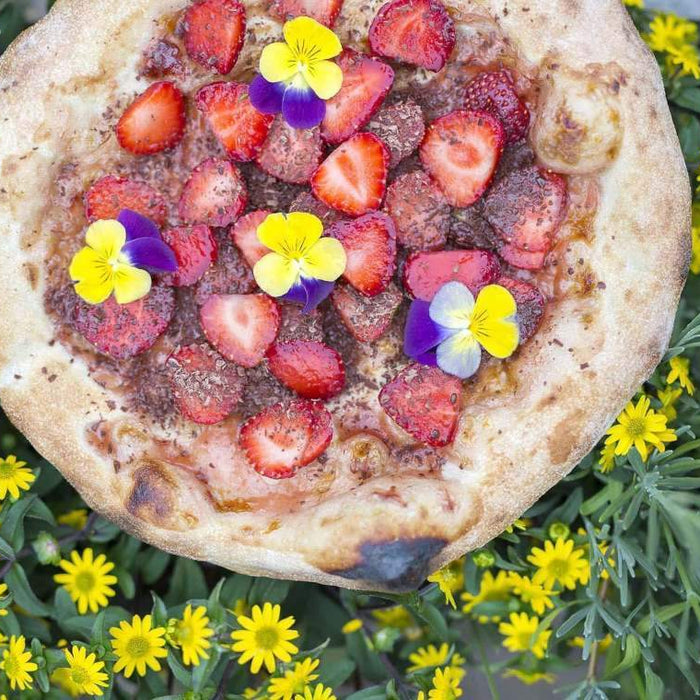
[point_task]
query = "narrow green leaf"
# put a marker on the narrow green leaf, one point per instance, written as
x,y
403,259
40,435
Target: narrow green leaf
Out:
x,y
22,592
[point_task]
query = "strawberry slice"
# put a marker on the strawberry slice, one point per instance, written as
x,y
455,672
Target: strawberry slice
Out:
x,y
297,325
214,33
154,121
495,93
370,245
126,330
195,250
523,259
420,32
527,207
228,275
425,273
400,127
425,402
109,195
306,202
366,318
353,178
468,229
291,155
215,194
531,304
206,388
245,235
312,370
241,326
461,151
238,126
366,82
323,11
420,211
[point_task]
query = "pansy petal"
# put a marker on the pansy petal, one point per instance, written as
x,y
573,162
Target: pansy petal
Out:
x,y
95,291
265,96
150,253
325,78
277,62
495,300
427,358
107,237
275,274
421,332
326,260
273,232
316,292
130,283
87,264
304,231
311,39
302,108
137,226
452,306
499,338
459,355
297,293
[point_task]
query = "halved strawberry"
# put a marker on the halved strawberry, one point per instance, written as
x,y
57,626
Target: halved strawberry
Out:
x,y
527,207
366,82
214,194
244,234
468,229
230,274
353,178
195,250
420,32
241,326
239,127
214,33
109,195
420,211
206,388
425,273
291,155
425,402
531,304
297,325
306,202
495,93
366,318
370,245
286,436
125,330
461,151
523,259
323,11
312,370
154,121
400,127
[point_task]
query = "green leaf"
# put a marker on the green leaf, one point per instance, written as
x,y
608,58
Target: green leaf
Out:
x,y
689,134
653,685
633,652
182,674
6,551
22,592
153,563
187,582
203,673
689,99
159,611
266,590
336,667
12,528
375,692
235,588
125,581
432,617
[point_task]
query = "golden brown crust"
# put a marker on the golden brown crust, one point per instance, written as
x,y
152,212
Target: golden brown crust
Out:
x,y
560,395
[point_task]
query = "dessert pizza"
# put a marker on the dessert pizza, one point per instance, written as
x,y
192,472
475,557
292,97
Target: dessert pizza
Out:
x,y
331,290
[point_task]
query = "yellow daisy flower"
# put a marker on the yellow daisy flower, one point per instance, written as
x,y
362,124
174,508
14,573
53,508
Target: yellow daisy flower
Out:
x,y
537,596
529,677
429,657
17,664
640,426
450,580
695,259
138,646
491,589
77,519
3,640
14,477
668,31
520,632
191,634
250,692
320,692
669,398
680,372
519,524
63,679
264,637
85,671
446,684
559,563
397,617
87,580
686,59
351,626
607,458
3,594
293,682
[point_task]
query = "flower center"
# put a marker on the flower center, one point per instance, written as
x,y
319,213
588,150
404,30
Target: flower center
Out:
x,y
85,581
637,427
267,638
7,470
138,647
184,635
12,667
559,567
79,675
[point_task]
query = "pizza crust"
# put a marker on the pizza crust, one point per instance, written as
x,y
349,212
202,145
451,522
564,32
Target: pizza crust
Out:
x,y
567,385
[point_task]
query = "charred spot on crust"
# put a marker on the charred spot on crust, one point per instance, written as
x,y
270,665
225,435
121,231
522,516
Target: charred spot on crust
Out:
x,y
400,565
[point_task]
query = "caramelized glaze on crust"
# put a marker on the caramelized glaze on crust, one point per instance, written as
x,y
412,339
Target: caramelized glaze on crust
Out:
x,y
352,519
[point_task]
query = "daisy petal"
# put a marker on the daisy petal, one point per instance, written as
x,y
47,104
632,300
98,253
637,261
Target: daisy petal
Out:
x,y
302,108
275,274
326,260
137,226
452,306
325,78
459,355
130,283
306,33
106,237
265,96
277,62
150,253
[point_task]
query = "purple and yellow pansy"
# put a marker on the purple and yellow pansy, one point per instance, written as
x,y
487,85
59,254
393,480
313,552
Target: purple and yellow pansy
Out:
x,y
451,330
302,265
297,76
118,258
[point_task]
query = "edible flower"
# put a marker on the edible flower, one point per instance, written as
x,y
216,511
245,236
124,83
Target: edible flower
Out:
x,y
297,75
117,259
302,266
451,330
